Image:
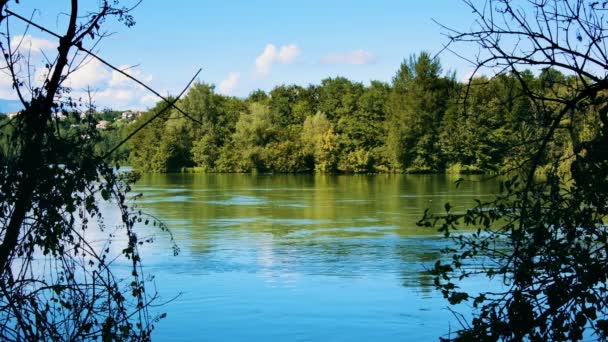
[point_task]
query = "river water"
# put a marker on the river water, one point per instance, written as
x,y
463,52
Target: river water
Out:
x,y
300,257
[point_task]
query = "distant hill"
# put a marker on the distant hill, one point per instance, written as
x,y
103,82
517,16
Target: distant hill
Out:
x,y
9,106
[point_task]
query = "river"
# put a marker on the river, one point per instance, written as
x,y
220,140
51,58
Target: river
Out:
x,y
300,257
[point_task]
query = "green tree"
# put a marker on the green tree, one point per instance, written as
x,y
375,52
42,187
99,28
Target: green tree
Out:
x,y
174,150
143,147
369,130
282,101
419,100
254,130
206,151
338,97
317,140
328,152
479,130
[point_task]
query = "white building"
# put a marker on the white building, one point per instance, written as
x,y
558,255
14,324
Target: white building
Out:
x,y
131,115
103,124
128,115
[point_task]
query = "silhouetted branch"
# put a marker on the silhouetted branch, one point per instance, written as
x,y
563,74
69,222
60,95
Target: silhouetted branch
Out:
x,y
169,105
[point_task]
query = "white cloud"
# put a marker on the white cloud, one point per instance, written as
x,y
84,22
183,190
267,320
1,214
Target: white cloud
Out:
x,y
26,43
110,88
6,87
92,73
285,55
149,100
263,62
356,57
288,53
118,95
117,98
228,85
118,79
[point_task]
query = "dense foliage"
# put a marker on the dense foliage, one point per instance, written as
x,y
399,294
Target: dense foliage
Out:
x,y
415,124
543,241
65,274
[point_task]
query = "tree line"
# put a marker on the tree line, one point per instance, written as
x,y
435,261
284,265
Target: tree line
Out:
x,y
424,121
415,124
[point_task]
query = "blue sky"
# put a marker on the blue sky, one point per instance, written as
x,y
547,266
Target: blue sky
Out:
x,y
246,45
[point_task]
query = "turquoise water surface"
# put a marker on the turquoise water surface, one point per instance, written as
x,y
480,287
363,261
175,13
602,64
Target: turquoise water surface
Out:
x,y
300,257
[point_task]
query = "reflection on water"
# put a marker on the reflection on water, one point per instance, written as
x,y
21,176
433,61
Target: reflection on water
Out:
x,y
309,257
